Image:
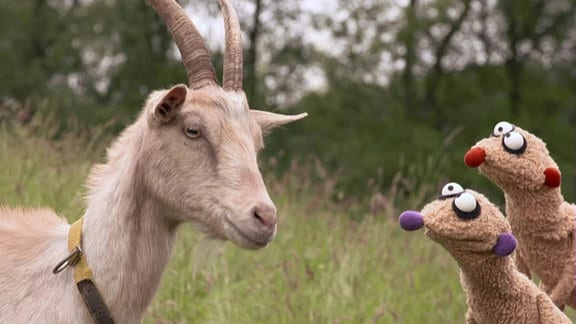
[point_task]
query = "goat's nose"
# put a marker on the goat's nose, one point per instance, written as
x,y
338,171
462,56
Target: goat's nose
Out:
x,y
474,157
265,216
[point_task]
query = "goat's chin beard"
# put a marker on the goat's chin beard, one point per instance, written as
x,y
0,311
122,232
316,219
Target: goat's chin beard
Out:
x,y
230,231
243,240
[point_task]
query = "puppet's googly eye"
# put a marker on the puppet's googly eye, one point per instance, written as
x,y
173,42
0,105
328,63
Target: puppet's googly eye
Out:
x,y
466,202
465,206
451,189
514,142
502,128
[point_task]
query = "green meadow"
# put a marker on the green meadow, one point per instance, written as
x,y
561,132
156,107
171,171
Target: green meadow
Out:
x,y
330,263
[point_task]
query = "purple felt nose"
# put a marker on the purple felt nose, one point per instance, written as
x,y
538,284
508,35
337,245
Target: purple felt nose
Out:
x,y
411,220
505,245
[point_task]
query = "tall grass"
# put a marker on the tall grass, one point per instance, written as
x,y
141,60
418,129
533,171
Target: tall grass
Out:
x,y
331,262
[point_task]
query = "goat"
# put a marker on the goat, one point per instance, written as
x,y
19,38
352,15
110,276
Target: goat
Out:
x,y
545,224
190,156
467,225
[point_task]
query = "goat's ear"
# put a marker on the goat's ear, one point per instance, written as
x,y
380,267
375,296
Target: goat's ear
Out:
x,y
170,104
269,121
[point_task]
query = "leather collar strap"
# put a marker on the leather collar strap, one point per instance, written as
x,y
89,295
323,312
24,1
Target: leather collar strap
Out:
x,y
83,276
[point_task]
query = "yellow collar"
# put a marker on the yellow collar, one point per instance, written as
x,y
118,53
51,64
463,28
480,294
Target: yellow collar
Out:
x,y
83,275
81,269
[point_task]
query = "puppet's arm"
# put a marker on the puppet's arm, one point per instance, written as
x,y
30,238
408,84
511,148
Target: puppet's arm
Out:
x,y
521,264
470,318
563,289
547,312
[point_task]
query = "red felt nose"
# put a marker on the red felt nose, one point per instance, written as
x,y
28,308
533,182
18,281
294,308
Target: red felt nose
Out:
x,y
553,177
475,157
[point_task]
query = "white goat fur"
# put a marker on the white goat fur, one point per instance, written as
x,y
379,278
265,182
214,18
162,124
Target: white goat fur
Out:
x,y
155,178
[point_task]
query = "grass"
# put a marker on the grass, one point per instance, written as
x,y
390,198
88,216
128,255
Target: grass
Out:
x,y
327,265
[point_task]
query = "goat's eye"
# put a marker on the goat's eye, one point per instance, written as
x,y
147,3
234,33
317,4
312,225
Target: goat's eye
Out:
x,y
502,128
193,132
451,189
514,143
465,206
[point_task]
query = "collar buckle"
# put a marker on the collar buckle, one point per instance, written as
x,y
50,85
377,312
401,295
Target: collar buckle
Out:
x,y
71,260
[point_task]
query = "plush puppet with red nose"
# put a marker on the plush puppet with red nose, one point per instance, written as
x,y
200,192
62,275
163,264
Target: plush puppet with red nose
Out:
x,y
545,225
478,236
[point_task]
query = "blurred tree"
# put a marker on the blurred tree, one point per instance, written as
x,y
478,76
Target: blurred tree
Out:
x,y
446,66
250,70
533,28
37,48
82,59
441,48
128,51
407,36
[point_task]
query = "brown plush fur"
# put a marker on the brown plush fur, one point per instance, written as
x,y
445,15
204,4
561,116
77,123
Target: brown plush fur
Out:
x,y
496,291
544,224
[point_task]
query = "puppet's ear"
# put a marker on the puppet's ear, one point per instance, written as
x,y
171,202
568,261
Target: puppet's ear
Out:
x,y
268,120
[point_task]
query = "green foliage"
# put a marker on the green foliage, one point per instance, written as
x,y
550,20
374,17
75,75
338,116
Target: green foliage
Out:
x,y
361,131
136,41
36,49
366,141
90,61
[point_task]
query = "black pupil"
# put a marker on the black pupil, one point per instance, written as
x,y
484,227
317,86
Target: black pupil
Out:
x,y
500,128
450,188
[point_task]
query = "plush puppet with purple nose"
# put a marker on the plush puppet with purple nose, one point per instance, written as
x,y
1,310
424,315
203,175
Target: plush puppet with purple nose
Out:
x,y
411,220
477,235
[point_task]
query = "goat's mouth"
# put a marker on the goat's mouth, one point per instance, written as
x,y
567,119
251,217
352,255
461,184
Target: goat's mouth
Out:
x,y
245,238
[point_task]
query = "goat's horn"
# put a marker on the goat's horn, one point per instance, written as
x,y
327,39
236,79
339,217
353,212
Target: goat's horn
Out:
x,y
195,55
232,78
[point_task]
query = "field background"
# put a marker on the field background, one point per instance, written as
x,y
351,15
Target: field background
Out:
x,y
396,90
328,264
